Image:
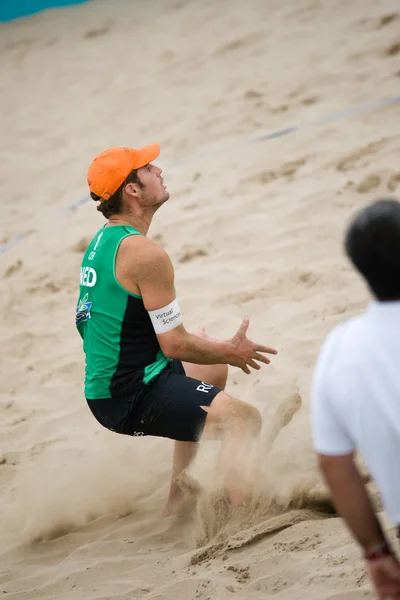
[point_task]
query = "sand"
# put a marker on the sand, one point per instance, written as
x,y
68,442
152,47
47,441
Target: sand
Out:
x,y
253,227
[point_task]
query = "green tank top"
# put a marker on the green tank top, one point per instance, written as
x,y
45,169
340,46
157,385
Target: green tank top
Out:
x,y
122,353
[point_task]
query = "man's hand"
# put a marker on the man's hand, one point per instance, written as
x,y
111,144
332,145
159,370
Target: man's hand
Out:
x,y
385,575
248,352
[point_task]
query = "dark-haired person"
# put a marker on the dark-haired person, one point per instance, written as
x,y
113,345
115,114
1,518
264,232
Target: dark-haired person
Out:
x,y
355,400
145,374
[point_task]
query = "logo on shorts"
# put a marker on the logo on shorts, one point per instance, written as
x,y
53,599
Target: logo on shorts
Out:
x,y
204,387
82,313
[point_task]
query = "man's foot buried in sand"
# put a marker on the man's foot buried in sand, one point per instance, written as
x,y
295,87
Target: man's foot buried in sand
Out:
x,y
183,495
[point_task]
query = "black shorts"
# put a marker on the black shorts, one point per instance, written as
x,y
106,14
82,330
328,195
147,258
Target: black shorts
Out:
x,y
169,406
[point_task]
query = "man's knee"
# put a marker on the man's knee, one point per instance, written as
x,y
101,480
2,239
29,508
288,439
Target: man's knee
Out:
x,y
234,414
253,419
245,419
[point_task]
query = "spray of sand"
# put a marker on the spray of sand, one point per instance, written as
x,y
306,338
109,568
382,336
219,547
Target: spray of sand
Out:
x,y
55,497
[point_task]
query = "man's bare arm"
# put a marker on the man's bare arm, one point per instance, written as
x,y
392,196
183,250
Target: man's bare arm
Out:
x,y
156,284
351,499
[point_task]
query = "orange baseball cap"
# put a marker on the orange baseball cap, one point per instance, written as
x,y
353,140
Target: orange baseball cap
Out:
x,y
110,168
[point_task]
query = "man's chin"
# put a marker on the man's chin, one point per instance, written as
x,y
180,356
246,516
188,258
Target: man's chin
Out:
x,y
163,199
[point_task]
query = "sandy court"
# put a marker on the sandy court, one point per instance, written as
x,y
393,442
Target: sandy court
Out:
x,y
253,227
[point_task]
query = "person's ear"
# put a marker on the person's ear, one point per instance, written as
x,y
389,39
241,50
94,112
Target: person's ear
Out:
x,y
132,189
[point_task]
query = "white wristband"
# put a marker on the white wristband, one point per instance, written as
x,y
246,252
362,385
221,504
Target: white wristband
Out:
x,y
167,318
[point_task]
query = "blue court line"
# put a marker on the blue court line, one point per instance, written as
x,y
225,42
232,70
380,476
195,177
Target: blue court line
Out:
x,y
74,205
329,118
13,242
258,138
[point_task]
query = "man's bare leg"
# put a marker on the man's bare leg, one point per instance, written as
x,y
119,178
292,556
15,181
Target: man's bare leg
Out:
x,y
185,452
238,425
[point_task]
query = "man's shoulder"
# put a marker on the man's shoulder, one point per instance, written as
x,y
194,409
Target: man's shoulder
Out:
x,y
341,350
336,334
346,329
143,246
141,253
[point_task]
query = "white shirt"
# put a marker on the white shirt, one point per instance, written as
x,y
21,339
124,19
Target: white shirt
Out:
x,y
355,396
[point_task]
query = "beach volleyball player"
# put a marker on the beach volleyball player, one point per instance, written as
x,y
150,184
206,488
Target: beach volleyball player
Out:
x,y
145,373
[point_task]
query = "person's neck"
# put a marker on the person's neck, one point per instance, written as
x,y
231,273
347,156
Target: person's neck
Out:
x,y
140,222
